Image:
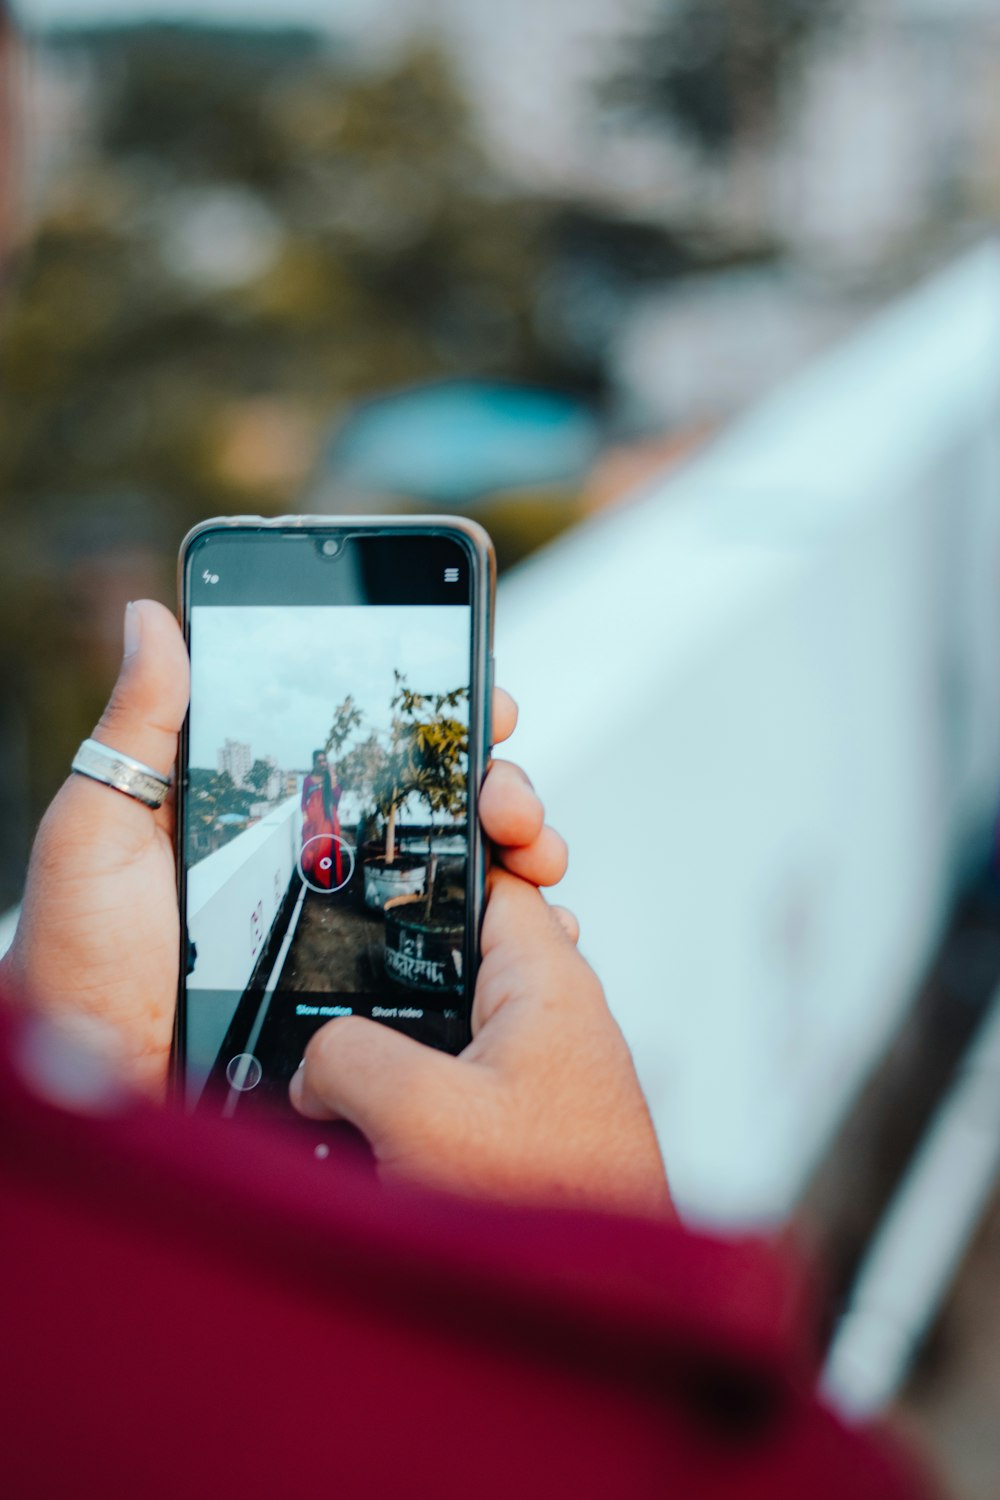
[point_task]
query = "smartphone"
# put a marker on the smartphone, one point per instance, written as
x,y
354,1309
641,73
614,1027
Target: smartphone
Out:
x,y
330,861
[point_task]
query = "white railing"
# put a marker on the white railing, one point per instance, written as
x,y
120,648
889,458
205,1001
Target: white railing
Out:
x,y
763,702
234,897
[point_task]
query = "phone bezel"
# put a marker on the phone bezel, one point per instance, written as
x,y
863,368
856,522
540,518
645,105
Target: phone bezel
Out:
x,y
479,549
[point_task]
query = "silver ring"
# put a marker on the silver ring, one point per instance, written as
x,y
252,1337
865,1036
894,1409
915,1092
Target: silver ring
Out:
x,y
120,772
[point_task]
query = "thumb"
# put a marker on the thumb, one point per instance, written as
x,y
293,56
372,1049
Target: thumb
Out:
x,y
150,698
379,1080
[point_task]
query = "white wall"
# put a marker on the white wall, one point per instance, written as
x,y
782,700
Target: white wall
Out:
x,y
234,896
775,742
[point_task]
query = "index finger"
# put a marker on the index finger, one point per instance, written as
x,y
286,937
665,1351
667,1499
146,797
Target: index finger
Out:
x,y
525,951
504,716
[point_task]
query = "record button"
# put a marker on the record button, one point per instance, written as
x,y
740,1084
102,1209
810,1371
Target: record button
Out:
x,y
244,1072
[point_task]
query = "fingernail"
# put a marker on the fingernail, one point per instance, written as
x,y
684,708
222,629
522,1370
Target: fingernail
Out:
x,y
133,630
301,1065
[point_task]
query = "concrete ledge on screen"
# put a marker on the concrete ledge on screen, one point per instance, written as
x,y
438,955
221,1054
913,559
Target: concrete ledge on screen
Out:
x,y
234,898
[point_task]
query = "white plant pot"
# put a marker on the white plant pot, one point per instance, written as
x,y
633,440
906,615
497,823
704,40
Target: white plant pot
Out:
x,y
384,882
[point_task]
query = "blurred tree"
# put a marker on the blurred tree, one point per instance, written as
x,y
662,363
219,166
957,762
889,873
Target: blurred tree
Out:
x,y
392,256
213,794
347,719
192,98
437,745
258,777
246,236
717,68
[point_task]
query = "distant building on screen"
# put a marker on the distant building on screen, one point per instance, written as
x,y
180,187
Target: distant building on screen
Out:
x,y
235,757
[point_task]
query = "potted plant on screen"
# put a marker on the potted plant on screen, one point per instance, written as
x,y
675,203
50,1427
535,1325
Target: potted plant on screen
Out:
x,y
379,770
425,932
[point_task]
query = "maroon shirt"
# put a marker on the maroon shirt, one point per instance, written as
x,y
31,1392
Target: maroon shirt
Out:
x,y
195,1309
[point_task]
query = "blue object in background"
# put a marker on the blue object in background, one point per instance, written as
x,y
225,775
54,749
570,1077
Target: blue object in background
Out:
x,y
449,442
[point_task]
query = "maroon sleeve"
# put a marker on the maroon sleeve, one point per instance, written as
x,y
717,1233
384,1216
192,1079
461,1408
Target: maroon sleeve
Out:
x,y
199,1309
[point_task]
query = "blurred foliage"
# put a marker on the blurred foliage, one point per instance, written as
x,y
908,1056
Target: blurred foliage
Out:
x,y
258,778
390,261
716,68
247,236
214,794
190,100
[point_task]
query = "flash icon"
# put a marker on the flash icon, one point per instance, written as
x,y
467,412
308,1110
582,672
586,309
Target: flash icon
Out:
x,y
208,577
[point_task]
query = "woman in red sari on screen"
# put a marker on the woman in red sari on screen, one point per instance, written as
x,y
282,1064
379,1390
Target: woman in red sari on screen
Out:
x,y
322,858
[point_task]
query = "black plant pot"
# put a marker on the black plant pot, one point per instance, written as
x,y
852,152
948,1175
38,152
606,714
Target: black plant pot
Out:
x,y
424,954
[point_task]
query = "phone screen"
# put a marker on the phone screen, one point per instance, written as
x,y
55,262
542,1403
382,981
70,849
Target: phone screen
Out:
x,y
328,860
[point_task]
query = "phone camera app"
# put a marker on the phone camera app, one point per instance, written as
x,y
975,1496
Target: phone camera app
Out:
x,y
327,838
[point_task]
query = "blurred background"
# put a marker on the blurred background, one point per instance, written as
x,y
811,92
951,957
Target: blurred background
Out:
x,y
695,305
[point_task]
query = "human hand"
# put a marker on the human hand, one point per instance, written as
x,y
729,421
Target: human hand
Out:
x,y
543,1106
99,933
